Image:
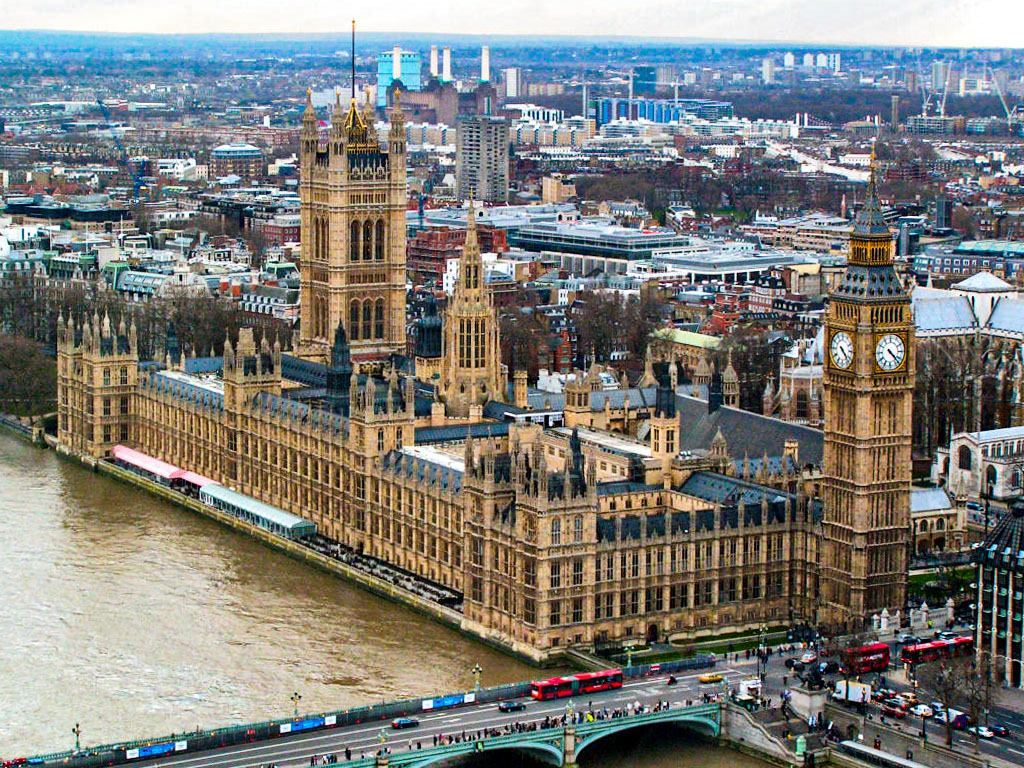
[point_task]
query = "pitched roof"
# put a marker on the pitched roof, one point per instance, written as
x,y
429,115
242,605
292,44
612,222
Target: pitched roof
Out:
x,y
1008,316
952,313
744,432
929,500
982,282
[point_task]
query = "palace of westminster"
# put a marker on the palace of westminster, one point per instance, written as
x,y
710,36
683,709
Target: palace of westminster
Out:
x,y
590,518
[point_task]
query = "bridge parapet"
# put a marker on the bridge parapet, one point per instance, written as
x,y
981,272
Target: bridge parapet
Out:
x,y
556,746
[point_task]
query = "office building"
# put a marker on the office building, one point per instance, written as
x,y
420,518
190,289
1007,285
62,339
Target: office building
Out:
x,y
644,81
237,159
397,64
513,77
481,159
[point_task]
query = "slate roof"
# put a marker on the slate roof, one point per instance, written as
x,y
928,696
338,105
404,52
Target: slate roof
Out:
x,y
952,313
776,464
457,432
744,432
728,491
1007,316
424,470
185,391
929,500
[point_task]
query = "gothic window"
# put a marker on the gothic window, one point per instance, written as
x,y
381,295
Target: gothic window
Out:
x,y
1016,478
353,320
378,243
577,529
106,377
556,575
964,457
378,319
367,240
353,244
367,319
940,524
124,376
556,532
991,475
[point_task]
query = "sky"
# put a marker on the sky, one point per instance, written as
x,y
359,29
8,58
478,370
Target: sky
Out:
x,y
946,23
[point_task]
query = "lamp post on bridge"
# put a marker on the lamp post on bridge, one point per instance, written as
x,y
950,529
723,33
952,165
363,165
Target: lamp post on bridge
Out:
x,y
77,730
296,698
477,671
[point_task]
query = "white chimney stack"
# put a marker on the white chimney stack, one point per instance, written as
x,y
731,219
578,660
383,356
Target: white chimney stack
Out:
x,y
446,65
396,63
485,64
433,61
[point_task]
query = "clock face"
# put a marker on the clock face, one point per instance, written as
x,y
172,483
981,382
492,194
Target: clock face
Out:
x,y
841,349
890,352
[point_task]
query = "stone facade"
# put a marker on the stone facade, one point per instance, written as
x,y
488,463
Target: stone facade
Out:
x,y
353,198
868,389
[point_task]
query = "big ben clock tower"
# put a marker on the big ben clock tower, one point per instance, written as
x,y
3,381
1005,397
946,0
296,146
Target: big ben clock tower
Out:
x,y
868,391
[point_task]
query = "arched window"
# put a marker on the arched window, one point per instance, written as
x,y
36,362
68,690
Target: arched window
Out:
x,y
353,244
1016,477
991,475
367,319
353,320
378,243
940,524
801,404
378,319
924,526
963,460
367,240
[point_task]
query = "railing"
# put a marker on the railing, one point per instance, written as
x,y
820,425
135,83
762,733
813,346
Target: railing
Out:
x,y
197,741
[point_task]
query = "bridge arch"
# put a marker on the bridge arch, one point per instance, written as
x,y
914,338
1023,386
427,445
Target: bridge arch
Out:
x,y
706,725
550,753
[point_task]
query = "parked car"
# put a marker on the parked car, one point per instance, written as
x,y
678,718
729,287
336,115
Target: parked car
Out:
x,y
511,706
922,710
809,657
983,732
896,703
937,706
404,722
891,711
999,730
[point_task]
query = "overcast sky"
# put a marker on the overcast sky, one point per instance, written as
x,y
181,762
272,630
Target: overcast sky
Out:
x,y
968,23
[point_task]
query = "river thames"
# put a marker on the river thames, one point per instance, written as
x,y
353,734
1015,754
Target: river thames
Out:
x,y
134,617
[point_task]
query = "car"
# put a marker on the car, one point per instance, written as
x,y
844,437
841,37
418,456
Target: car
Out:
x,y
937,706
908,696
713,677
982,732
948,635
890,711
999,730
809,657
404,722
921,710
906,638
511,706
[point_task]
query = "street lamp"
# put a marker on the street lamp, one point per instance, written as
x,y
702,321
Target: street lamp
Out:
x,y
296,698
569,711
77,730
477,671
629,656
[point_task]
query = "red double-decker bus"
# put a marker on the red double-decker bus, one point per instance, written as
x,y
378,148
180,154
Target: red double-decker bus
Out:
x,y
584,682
937,650
867,658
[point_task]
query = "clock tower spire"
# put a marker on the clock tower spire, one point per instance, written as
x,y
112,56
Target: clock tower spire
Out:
x,y
867,400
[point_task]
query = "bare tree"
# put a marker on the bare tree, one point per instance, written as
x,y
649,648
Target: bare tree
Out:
x,y
964,684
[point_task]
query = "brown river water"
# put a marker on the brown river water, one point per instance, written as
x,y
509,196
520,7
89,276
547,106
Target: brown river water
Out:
x,y
134,617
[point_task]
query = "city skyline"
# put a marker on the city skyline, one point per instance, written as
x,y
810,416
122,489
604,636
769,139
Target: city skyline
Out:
x,y
961,23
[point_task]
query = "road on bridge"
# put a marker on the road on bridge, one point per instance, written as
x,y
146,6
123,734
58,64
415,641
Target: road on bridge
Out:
x,y
365,738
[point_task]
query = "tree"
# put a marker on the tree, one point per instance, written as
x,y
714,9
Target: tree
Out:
x,y
599,325
28,378
964,684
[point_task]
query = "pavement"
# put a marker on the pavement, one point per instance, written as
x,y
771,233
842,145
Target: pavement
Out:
x,y
364,739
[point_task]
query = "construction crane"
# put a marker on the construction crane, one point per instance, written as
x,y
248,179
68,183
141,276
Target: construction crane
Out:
x,y
1013,116
133,172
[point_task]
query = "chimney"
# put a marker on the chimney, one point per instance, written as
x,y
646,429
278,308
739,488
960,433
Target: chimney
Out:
x,y
433,61
485,64
396,63
446,65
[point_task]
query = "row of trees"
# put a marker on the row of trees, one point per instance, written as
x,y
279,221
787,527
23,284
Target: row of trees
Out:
x,y
30,308
605,324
